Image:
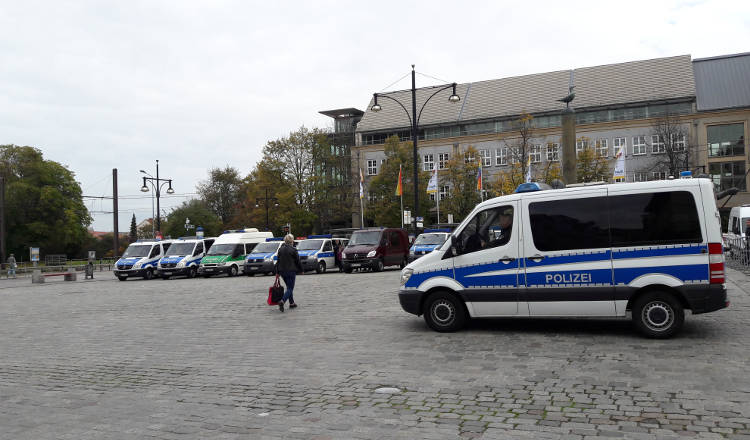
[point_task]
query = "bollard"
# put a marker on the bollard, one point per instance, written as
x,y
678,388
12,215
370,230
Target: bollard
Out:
x,y
71,274
37,277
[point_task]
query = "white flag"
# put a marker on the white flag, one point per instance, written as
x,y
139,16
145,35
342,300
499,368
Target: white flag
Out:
x,y
432,185
528,169
620,164
361,188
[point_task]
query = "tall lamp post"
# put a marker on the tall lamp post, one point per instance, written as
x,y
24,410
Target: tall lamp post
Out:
x,y
157,184
414,123
266,200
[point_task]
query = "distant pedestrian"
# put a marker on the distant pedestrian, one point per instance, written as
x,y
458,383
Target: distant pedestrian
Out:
x,y
288,266
12,266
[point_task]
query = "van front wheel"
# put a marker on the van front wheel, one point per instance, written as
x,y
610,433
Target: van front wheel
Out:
x,y
658,315
444,312
233,271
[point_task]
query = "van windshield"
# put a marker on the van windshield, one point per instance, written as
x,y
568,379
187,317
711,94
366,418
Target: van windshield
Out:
x,y
431,239
307,245
364,238
181,249
222,249
137,250
272,246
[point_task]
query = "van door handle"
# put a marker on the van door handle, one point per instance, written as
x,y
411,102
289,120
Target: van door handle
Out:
x,y
506,260
537,258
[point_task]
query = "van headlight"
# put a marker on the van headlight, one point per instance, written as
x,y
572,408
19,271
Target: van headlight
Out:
x,y
268,258
411,251
371,254
181,263
405,275
137,266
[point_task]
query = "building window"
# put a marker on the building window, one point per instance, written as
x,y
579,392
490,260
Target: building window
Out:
x,y
678,143
443,192
443,159
429,162
581,145
372,167
536,153
639,145
486,158
501,156
728,174
602,149
657,144
726,140
619,143
469,157
553,152
640,177
371,198
659,175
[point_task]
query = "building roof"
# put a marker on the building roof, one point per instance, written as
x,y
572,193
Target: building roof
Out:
x,y
659,79
722,82
342,113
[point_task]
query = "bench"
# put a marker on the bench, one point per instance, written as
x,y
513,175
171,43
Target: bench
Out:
x,y
39,277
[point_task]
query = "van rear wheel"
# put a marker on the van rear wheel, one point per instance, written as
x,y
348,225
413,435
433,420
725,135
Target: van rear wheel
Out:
x,y
444,312
658,315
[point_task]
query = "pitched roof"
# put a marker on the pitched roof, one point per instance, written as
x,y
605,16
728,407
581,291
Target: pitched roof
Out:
x,y
613,84
722,82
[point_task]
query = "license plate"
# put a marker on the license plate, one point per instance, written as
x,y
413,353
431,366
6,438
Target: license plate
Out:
x,y
167,273
209,269
254,268
356,264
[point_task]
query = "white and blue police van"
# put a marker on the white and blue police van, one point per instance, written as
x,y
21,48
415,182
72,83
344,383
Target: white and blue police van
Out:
x,y
264,257
184,257
648,249
316,253
428,241
141,259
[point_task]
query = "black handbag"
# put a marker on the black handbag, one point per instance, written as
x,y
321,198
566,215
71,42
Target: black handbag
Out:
x,y
275,293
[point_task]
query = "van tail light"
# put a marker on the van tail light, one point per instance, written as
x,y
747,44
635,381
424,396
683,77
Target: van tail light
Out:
x,y
716,263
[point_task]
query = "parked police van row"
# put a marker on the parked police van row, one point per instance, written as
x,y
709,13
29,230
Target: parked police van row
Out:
x,y
141,259
184,257
652,249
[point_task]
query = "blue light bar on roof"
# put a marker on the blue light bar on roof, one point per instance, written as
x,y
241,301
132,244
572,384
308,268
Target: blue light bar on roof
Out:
x,y
427,231
532,186
275,239
320,236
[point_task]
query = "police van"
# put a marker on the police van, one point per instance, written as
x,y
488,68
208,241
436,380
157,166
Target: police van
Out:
x,y
651,249
184,257
141,259
227,254
739,217
427,242
316,253
264,257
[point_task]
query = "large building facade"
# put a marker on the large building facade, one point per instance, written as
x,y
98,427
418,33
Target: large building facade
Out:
x,y
706,101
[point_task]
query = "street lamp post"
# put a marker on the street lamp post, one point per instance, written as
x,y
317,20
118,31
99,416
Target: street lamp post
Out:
x,y
157,184
414,123
266,201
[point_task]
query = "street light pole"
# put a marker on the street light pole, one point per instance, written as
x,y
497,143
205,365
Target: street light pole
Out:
x,y
157,183
414,118
265,200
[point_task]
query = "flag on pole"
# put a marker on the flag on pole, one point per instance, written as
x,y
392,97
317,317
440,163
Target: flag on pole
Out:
x,y
479,178
400,186
620,164
528,169
432,185
361,185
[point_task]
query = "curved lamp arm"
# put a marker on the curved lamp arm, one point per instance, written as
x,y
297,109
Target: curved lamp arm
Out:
x,y
397,102
431,96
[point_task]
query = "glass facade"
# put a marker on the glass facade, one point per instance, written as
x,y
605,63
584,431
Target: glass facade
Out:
x,y
726,140
728,174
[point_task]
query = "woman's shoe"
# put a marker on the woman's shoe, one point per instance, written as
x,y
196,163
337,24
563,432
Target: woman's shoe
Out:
x,y
281,307
292,306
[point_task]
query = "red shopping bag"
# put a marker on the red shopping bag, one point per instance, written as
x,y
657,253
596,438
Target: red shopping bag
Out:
x,y
275,293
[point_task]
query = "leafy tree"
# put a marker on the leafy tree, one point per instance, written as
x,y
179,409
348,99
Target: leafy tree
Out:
x,y
44,204
133,236
461,176
199,215
221,192
507,180
519,147
385,210
590,166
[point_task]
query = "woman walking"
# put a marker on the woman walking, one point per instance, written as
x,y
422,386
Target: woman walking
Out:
x,y
288,266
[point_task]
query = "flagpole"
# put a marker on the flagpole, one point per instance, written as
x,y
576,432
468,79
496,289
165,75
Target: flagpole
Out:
x,y
437,198
402,211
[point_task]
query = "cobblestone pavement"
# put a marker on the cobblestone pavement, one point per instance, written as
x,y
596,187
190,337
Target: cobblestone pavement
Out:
x,y
207,359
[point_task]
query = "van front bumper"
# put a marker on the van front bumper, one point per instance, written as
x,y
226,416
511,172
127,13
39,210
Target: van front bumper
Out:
x,y
309,263
361,262
213,270
411,301
130,272
264,267
174,271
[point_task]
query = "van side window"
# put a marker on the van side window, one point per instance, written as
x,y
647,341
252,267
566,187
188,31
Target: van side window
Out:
x,y
198,249
487,229
166,246
327,247
654,218
735,225
395,239
570,224
154,251
248,248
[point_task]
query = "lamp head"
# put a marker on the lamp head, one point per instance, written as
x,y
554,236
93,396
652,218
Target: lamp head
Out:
x,y
376,107
170,190
454,97
144,188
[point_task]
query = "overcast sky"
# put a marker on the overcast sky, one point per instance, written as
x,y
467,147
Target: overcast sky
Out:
x,y
196,84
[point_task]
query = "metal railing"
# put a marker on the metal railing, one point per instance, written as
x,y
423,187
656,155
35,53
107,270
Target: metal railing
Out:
x,y
25,268
737,253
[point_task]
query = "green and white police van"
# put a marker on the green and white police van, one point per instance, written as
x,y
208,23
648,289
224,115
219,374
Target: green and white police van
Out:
x,y
227,254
